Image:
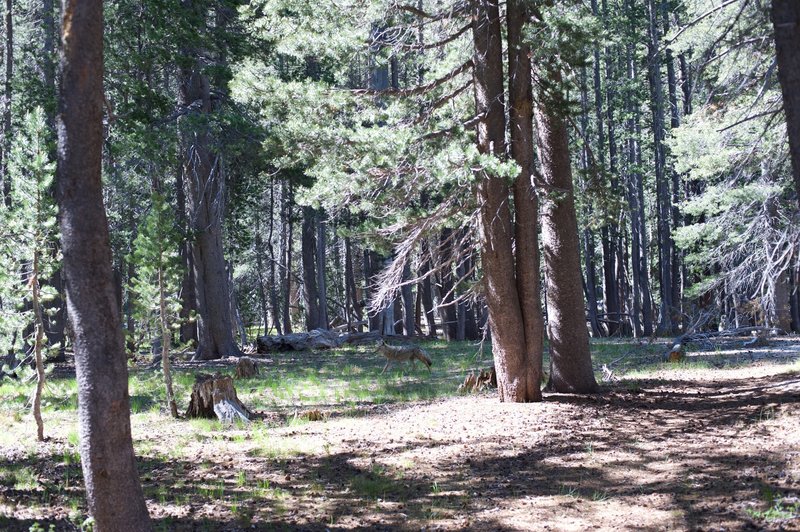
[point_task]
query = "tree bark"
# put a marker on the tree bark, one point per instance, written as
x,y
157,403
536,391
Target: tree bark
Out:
x,y
425,290
447,307
287,223
515,370
310,290
526,205
7,94
786,22
662,185
322,284
570,358
113,492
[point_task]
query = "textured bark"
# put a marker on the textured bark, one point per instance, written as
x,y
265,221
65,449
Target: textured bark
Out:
x,y
5,144
310,290
205,200
38,344
447,308
588,236
786,22
188,329
273,287
570,359
662,184
262,291
515,375
113,492
322,284
526,223
407,293
287,223
425,291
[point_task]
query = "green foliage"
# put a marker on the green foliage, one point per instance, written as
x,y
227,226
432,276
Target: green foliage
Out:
x,y
29,232
158,266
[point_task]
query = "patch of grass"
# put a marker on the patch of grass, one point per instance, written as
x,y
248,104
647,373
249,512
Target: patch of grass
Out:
x,y
777,509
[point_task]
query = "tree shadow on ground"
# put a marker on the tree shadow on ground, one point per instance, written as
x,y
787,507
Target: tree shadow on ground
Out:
x,y
664,446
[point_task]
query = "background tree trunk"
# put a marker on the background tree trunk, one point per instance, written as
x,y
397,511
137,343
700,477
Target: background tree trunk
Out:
x,y
113,491
570,359
786,21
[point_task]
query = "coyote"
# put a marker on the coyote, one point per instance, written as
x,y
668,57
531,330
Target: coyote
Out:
x,y
403,354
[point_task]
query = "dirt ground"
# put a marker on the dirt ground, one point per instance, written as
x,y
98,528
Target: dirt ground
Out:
x,y
673,449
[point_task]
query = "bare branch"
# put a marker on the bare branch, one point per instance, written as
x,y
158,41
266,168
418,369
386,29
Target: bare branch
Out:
x,y
422,89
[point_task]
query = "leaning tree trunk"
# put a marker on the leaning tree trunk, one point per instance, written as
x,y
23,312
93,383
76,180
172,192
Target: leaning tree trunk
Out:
x,y
786,21
570,359
113,492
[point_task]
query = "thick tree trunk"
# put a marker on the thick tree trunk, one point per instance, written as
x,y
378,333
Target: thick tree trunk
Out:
x,y
273,289
526,222
113,492
515,376
786,22
570,358
205,198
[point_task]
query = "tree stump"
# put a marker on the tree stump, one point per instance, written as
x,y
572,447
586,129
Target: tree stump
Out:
x,y
215,396
246,368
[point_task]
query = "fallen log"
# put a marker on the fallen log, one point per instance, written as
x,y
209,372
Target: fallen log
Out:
x,y
316,339
215,396
676,352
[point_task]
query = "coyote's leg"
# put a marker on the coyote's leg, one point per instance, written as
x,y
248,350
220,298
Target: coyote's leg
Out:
x,y
386,366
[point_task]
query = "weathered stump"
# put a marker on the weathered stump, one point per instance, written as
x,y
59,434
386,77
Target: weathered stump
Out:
x,y
215,396
246,368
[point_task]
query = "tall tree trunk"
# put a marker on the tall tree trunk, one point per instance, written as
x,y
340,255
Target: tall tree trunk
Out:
x,y
113,492
447,306
425,290
322,285
287,223
675,122
570,358
205,198
310,290
262,292
516,379
526,226
273,289
188,329
7,94
588,235
408,302
786,22
662,184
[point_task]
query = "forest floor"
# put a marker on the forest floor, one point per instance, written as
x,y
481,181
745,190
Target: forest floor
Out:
x,y
711,443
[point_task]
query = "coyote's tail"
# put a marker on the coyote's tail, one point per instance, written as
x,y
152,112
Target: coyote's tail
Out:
x,y
423,357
